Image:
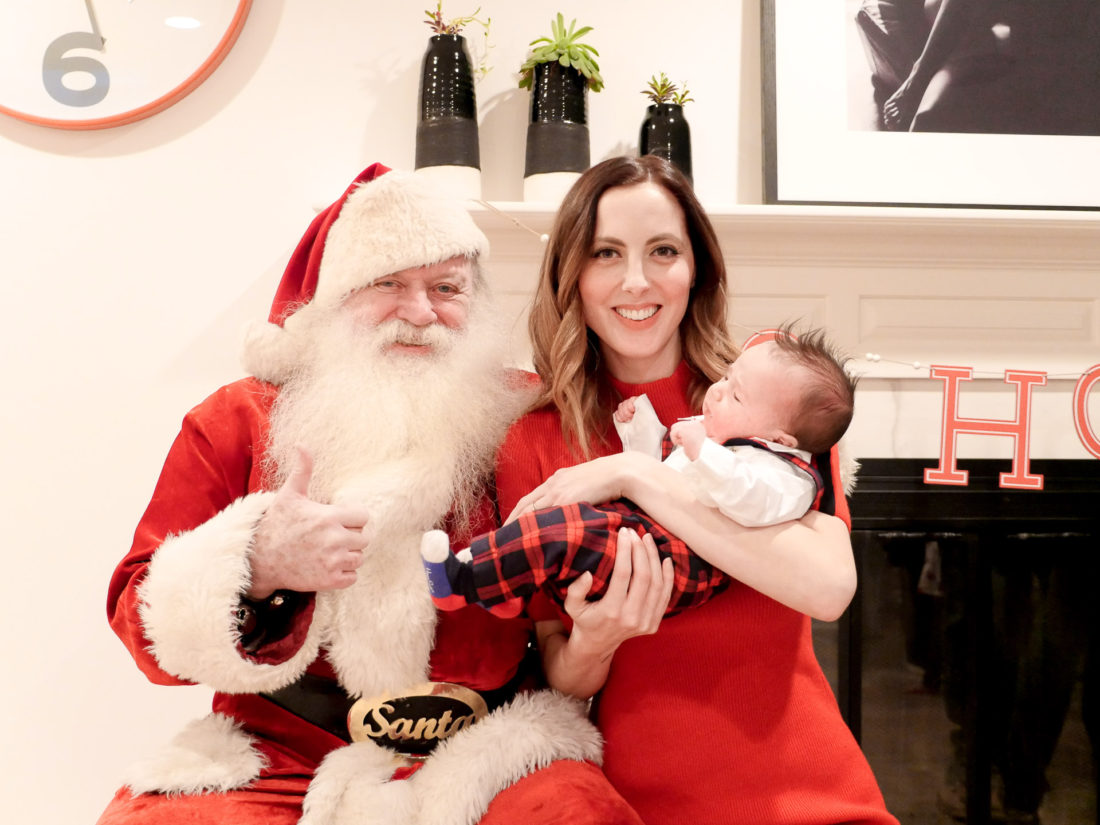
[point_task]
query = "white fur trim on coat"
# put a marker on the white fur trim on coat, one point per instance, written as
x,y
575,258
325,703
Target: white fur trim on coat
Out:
x,y
352,787
189,599
210,755
461,778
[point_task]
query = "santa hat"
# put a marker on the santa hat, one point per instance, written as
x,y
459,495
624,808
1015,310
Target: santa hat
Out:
x,y
385,222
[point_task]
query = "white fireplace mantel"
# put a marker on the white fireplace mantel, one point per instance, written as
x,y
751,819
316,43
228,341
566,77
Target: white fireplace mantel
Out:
x,y
990,288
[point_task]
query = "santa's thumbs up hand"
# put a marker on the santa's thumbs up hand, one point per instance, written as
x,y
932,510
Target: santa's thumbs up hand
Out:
x,y
301,472
304,545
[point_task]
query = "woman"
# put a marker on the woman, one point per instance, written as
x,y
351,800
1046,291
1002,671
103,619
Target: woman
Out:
x,y
723,714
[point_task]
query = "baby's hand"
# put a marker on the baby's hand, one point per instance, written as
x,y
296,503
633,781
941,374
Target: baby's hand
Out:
x,y
690,435
624,414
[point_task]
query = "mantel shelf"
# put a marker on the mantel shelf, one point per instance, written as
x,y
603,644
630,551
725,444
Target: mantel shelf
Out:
x,y
851,213
837,235
992,288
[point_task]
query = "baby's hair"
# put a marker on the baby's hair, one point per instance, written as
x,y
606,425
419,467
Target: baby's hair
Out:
x,y
825,409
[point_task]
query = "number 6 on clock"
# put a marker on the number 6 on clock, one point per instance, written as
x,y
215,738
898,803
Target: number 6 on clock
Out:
x,y
55,65
138,58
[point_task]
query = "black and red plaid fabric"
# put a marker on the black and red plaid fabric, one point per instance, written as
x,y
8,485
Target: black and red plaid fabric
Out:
x,y
552,547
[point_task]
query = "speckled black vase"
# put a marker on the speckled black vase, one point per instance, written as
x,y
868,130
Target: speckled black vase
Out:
x,y
557,134
446,133
666,134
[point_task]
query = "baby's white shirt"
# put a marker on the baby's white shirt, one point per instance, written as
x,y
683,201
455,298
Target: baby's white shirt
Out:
x,y
748,484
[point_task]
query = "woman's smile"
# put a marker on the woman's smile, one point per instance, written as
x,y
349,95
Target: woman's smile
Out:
x,y
637,314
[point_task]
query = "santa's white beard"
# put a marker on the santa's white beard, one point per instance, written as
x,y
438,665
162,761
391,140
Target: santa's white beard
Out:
x,y
353,405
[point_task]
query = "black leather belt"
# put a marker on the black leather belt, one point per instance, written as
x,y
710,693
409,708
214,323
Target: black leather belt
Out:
x,y
411,722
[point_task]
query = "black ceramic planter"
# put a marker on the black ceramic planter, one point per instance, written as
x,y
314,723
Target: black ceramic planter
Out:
x,y
557,134
666,134
446,133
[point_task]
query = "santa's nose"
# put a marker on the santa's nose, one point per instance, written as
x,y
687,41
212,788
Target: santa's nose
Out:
x,y
415,307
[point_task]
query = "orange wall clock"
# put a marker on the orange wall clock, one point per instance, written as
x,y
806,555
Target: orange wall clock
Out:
x,y
93,64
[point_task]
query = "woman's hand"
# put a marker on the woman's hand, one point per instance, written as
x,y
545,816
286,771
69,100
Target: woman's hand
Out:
x,y
595,481
637,594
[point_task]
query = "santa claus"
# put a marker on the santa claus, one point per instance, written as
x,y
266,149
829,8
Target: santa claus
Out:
x,y
278,561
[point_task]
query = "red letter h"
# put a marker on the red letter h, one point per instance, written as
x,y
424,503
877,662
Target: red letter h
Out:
x,y
1019,429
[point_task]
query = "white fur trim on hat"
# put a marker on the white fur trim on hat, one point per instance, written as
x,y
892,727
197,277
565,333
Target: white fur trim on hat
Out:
x,y
189,598
395,222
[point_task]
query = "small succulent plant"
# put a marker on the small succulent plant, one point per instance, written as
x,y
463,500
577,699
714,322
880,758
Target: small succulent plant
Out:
x,y
455,25
564,47
662,90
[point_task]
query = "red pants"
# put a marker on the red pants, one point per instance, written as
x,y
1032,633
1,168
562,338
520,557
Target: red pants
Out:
x,y
565,791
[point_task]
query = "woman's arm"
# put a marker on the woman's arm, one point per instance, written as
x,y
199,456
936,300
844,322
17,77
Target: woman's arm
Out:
x,y
637,594
806,564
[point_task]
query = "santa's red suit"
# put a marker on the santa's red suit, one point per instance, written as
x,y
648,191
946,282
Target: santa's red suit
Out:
x,y
176,601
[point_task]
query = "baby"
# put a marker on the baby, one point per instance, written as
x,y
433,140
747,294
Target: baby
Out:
x,y
749,454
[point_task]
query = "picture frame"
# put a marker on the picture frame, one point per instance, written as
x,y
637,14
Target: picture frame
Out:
x,y
821,145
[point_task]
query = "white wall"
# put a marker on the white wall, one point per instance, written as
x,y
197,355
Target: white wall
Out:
x,y
132,257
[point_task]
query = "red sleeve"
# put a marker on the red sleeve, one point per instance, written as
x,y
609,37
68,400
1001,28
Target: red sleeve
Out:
x,y
213,461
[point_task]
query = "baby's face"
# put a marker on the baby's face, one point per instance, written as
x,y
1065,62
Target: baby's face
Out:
x,y
755,399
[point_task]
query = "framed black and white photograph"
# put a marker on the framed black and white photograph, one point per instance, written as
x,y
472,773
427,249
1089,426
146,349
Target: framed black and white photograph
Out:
x,y
979,103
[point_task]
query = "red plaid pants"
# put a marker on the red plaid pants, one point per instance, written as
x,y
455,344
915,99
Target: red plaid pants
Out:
x,y
550,548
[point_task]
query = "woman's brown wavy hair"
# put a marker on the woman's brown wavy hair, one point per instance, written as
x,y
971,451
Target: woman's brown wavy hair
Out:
x,y
567,353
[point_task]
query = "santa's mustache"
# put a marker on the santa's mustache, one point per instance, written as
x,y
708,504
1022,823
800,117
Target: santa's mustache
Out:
x,y
396,331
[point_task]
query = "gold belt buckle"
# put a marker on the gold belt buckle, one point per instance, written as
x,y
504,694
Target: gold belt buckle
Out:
x,y
413,722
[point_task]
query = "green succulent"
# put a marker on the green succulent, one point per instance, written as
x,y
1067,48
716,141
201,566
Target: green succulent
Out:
x,y
563,46
661,90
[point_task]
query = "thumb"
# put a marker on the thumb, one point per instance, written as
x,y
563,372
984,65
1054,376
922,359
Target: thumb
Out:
x,y
301,471
576,592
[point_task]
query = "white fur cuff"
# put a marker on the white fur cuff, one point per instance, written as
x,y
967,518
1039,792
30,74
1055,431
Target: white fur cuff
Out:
x,y
352,787
461,778
211,754
189,599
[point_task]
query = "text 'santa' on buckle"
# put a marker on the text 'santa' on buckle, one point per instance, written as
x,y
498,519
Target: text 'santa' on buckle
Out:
x,y
413,723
